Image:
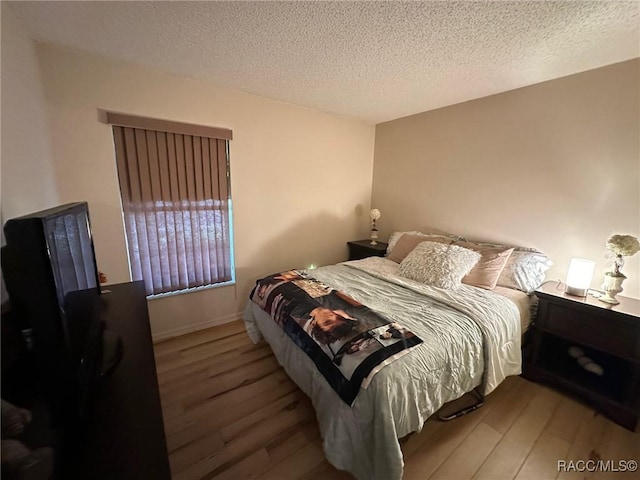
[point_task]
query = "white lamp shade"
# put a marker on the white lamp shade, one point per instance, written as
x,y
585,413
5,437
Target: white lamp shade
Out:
x,y
579,276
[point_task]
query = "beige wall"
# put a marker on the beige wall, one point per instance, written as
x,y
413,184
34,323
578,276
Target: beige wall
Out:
x,y
555,166
300,178
27,181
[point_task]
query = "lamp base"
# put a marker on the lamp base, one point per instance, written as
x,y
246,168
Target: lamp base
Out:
x,y
575,291
373,236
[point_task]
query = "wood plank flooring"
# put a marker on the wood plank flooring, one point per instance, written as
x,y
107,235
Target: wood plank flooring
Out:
x,y
231,412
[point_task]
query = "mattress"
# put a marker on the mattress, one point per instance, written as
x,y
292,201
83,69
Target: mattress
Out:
x,y
524,302
471,338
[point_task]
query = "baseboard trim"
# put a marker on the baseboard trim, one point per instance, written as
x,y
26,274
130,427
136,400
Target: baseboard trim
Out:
x,y
176,332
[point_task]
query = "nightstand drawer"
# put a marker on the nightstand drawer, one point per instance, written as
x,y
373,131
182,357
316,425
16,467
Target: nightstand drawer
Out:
x,y
603,333
359,249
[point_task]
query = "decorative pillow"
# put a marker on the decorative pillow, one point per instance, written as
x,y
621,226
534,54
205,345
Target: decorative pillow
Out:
x,y
408,242
524,270
438,264
487,271
431,232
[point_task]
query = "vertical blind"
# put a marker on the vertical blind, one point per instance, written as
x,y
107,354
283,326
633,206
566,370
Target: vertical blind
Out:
x,y
176,205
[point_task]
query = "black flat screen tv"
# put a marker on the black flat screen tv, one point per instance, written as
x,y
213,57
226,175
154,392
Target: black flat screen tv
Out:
x,y
48,256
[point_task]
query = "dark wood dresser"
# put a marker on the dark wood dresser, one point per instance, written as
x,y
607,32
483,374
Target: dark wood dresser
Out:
x,y
572,335
123,434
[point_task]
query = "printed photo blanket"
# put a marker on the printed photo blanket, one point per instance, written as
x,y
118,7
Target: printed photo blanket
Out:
x,y
345,339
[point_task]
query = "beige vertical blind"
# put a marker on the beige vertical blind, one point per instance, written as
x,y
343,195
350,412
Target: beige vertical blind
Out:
x,y
176,203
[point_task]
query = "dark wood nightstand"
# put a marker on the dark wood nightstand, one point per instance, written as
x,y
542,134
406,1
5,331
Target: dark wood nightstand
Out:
x,y
608,335
362,249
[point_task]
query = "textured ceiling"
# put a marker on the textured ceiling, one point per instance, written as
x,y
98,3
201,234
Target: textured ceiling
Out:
x,y
371,60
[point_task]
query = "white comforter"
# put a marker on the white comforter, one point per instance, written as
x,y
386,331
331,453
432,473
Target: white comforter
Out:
x,y
470,336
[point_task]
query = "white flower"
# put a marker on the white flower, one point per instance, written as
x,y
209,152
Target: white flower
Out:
x,y
623,245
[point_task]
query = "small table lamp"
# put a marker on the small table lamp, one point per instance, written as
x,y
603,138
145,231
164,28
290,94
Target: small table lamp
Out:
x,y
374,214
579,276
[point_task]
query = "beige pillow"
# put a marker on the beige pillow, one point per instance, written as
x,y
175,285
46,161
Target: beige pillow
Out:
x,y
407,242
438,265
428,232
486,272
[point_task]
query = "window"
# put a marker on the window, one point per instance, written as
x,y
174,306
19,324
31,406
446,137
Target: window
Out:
x,y
176,201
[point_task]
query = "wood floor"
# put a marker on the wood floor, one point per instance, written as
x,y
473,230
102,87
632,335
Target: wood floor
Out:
x,y
231,412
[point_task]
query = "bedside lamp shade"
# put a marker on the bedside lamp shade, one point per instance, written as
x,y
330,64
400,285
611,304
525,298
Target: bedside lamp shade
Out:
x,y
579,276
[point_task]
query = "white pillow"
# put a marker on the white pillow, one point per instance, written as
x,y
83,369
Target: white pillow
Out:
x,y
438,264
525,270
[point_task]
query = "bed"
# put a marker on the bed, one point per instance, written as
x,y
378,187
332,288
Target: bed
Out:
x,y
470,339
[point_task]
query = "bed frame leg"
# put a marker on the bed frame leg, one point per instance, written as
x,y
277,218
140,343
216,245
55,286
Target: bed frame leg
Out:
x,y
463,411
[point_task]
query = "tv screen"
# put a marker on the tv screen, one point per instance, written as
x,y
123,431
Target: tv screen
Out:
x,y
73,264
48,255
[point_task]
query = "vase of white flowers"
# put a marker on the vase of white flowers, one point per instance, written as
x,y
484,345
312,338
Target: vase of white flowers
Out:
x,y
621,246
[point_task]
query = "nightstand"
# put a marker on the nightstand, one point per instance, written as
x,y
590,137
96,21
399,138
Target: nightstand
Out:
x,y
362,249
608,335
